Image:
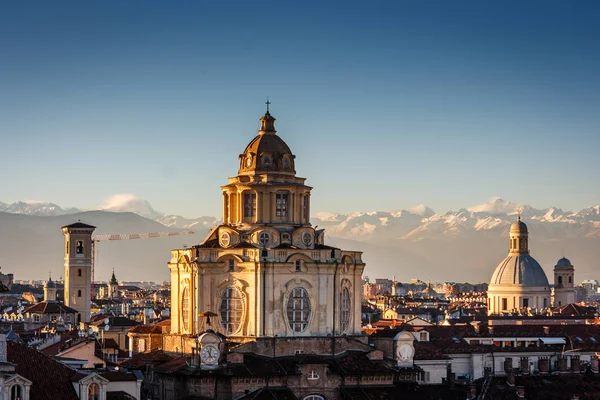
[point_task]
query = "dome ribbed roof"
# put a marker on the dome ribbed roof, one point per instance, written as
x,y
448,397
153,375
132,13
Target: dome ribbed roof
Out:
x,y
267,152
521,270
564,262
50,284
518,226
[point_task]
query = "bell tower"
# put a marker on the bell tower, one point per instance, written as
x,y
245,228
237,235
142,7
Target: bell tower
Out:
x,y
78,268
564,282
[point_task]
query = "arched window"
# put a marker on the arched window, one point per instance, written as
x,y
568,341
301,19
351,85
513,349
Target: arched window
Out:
x,y
79,272
16,392
185,307
79,293
570,279
345,309
313,397
298,309
93,391
232,308
560,280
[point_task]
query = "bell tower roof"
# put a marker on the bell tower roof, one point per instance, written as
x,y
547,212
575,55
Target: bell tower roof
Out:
x,y
113,279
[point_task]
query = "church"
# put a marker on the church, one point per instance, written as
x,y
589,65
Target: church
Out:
x,y
519,283
265,272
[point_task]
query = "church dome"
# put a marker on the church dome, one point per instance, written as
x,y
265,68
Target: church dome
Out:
x,y
267,152
50,284
521,270
564,262
518,226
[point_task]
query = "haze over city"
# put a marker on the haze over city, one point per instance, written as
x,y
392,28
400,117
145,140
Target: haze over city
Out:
x,y
441,103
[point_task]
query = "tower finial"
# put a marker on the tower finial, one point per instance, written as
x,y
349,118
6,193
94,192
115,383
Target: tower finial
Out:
x,y
49,275
268,103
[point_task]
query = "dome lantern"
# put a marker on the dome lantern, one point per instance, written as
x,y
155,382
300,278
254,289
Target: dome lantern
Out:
x,y
519,237
267,122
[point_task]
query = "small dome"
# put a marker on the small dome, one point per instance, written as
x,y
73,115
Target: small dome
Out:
x,y
564,262
50,284
518,226
267,152
521,270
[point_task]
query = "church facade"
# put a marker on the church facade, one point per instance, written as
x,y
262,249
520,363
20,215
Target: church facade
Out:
x,y
265,271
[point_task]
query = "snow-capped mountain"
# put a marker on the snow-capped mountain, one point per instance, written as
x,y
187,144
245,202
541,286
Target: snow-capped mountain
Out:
x,y
39,208
130,203
175,221
465,244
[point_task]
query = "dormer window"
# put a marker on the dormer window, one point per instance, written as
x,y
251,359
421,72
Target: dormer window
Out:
x,y
16,392
285,236
267,162
94,391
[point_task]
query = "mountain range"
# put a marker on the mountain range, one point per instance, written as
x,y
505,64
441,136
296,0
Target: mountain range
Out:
x,y
462,245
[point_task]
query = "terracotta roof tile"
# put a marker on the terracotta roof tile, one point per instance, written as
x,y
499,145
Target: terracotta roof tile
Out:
x,y
45,307
51,379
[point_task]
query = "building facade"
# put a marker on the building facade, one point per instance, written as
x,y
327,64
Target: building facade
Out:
x,y
266,271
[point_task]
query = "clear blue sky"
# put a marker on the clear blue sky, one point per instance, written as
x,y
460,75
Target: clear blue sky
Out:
x,y
386,104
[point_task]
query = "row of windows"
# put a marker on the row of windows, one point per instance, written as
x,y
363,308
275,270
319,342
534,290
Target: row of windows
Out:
x,y
36,318
560,280
525,303
298,309
281,205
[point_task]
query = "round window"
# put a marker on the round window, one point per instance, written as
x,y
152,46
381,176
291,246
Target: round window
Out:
x,y
225,239
307,238
264,238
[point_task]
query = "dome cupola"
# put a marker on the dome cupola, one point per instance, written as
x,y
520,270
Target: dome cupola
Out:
x,y
564,262
519,237
267,153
